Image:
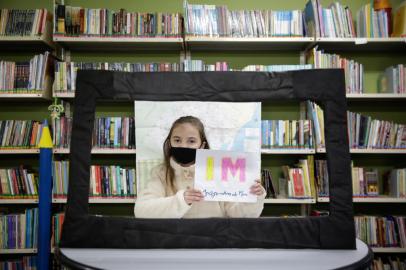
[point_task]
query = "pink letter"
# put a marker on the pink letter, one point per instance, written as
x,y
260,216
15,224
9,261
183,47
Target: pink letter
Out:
x,y
226,164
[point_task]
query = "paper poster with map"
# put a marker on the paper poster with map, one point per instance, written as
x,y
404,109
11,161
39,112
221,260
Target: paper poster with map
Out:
x,y
229,126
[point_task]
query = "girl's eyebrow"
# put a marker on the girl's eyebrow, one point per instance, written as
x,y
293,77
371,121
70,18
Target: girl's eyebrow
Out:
x,y
175,137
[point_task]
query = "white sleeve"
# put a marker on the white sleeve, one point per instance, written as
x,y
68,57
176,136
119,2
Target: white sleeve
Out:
x,y
245,210
152,203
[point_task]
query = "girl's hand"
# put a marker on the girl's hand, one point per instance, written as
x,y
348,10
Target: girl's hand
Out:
x,y
257,189
192,195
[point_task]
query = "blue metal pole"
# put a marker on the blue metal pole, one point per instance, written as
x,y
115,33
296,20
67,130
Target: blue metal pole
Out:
x,y
45,199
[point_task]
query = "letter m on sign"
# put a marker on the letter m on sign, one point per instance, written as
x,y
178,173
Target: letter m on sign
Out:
x,y
227,164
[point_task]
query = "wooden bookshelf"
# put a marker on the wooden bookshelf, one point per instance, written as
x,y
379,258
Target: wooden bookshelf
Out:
x,y
119,43
99,151
380,199
290,201
388,250
19,251
7,151
100,200
369,151
25,96
230,43
376,96
18,201
362,44
304,151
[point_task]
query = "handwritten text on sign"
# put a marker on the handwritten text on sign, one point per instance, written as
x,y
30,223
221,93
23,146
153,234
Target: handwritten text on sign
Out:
x,y
226,175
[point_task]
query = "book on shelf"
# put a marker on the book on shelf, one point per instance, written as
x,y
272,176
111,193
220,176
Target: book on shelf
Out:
x,y
299,179
19,231
377,231
353,71
19,134
105,181
399,21
18,183
219,21
276,68
290,134
24,262
365,132
57,223
108,132
268,184
33,76
65,72
388,263
336,21
200,65
396,182
393,80
103,22
372,23
23,22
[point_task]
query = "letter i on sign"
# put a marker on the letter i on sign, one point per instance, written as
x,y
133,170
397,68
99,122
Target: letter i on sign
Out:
x,y
209,169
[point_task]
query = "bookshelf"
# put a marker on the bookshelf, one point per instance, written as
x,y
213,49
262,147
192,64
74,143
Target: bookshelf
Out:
x,y
19,251
19,151
18,201
100,151
380,199
100,200
362,44
124,44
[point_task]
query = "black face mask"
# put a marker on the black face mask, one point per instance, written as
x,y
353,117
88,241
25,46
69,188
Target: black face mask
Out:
x,y
183,155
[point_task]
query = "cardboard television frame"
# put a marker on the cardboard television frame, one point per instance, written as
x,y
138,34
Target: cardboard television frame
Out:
x,y
324,86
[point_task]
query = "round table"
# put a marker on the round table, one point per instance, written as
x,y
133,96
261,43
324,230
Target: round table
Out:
x,y
210,259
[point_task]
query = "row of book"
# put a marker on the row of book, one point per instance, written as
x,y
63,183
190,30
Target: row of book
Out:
x,y
389,263
80,21
373,24
19,230
105,181
393,80
286,134
364,181
26,263
365,132
65,72
337,21
20,133
200,65
219,21
57,223
108,132
23,22
354,71
297,181
376,231
18,183
24,76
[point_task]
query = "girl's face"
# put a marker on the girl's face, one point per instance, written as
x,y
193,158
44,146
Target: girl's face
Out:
x,y
186,135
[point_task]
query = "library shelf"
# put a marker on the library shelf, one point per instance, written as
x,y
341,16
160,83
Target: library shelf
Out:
x,y
306,151
18,201
362,44
84,43
99,151
388,250
254,43
369,151
379,199
375,96
8,151
290,201
18,251
100,200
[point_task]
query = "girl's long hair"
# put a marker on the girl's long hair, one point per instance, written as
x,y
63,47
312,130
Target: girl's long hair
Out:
x,y
169,172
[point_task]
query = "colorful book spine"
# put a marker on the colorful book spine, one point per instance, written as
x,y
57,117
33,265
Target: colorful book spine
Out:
x,y
16,134
290,134
23,22
18,183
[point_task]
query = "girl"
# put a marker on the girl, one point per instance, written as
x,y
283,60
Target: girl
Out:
x,y
170,192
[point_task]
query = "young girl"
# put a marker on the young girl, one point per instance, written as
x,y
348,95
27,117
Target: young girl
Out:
x,y
170,192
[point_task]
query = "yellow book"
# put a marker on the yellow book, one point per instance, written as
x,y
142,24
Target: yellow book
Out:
x,y
306,177
310,164
399,21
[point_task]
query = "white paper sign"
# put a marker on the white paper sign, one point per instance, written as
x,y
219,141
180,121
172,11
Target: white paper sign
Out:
x,y
226,175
